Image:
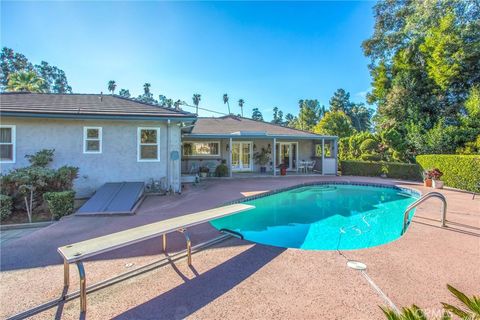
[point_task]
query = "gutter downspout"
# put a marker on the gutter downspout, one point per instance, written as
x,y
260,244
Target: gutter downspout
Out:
x,y
169,187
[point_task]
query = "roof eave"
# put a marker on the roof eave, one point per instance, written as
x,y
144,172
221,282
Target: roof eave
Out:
x,y
267,136
180,117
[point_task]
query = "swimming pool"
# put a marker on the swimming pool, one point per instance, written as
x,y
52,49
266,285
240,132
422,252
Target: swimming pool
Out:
x,y
324,217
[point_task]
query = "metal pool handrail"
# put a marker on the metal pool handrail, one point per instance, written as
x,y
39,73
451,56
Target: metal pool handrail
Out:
x,y
420,201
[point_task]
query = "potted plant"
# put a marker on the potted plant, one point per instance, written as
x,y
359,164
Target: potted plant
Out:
x,y
203,171
427,178
384,170
436,175
262,158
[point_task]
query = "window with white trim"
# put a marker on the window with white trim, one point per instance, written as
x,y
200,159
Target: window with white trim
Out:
x,y
7,144
203,148
92,140
148,144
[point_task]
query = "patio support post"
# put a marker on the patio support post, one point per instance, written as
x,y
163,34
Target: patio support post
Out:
x,y
335,151
323,156
274,148
230,157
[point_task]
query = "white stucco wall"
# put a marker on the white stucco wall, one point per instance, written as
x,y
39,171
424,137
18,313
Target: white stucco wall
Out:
x,y
118,160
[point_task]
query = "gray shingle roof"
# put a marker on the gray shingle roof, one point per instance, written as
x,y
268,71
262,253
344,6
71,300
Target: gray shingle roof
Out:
x,y
235,125
82,105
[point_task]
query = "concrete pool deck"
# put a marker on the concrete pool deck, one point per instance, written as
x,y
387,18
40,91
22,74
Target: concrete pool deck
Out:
x,y
241,280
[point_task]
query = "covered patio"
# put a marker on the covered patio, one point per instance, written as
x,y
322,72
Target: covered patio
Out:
x,y
256,149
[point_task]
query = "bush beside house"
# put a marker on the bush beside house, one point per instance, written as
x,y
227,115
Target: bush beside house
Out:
x,y
37,177
395,170
5,206
60,203
459,171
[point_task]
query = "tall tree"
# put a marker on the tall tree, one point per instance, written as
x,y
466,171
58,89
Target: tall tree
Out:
x,y
360,117
169,103
112,86
225,101
425,58
25,81
177,104
257,115
340,101
54,78
196,100
240,104
359,114
277,116
147,96
290,120
124,93
309,114
335,123
162,100
12,62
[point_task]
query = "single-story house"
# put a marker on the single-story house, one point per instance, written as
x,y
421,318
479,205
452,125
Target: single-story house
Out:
x,y
234,140
111,139
114,139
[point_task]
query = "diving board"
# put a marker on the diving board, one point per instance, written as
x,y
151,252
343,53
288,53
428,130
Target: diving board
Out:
x,y
77,252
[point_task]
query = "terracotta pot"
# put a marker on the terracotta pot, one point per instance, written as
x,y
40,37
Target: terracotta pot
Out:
x,y
427,183
437,184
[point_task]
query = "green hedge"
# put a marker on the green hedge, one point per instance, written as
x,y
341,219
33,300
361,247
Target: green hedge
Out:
x,y
459,171
395,170
60,203
6,203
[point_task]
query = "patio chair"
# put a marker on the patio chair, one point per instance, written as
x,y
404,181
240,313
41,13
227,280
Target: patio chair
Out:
x,y
302,166
211,168
311,165
194,168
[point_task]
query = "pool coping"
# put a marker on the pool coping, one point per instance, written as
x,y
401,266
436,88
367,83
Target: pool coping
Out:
x,y
413,192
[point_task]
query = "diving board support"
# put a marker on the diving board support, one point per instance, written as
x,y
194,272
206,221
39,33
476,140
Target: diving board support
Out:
x,y
83,286
66,273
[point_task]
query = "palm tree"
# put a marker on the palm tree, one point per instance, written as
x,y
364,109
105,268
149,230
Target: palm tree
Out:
x,y
225,100
146,88
25,81
177,104
112,86
240,104
196,100
169,103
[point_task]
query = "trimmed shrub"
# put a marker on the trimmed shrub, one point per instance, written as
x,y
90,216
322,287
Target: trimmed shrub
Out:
x,y
369,146
459,171
60,203
395,170
6,203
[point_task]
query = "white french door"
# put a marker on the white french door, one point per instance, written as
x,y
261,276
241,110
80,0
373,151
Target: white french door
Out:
x,y
287,154
241,156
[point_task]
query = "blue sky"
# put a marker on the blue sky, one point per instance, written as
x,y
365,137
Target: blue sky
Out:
x,y
268,53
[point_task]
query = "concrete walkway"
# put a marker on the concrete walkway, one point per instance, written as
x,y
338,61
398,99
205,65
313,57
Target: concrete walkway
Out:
x,y
9,235
241,280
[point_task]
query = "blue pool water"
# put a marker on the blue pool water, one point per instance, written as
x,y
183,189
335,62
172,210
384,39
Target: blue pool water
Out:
x,y
324,217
